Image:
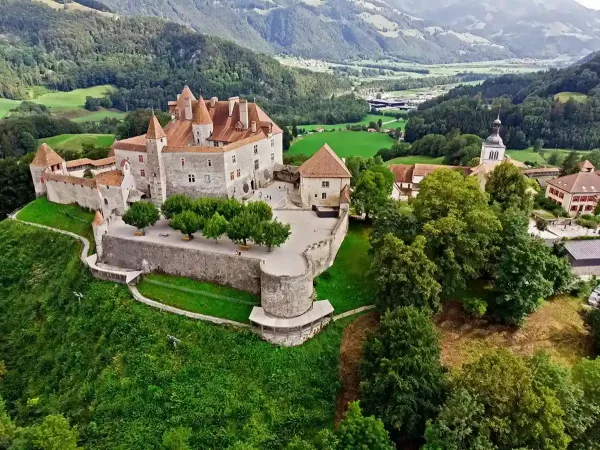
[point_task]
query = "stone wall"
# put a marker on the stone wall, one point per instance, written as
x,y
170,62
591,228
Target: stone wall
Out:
x,y
322,254
229,270
67,193
286,296
312,190
209,180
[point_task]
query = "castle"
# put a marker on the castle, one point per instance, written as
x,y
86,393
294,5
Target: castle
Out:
x,y
210,148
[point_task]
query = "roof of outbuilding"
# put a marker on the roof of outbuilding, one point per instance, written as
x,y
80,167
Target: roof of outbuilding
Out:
x,y
324,164
586,165
110,178
580,183
90,162
422,170
403,173
46,157
582,250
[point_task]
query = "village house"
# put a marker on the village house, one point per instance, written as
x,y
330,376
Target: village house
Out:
x,y
576,193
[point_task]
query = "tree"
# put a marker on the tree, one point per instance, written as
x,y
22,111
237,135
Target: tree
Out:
x,y
205,207
403,380
176,204
570,164
229,208
372,192
287,139
177,439
460,226
586,375
379,123
526,274
357,432
188,222
270,233
215,227
397,218
497,403
54,433
294,131
404,276
592,321
507,185
141,215
538,145
241,227
7,428
88,173
261,209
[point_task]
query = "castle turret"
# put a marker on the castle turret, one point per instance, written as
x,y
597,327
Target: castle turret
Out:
x,y
45,160
493,147
202,124
156,141
183,109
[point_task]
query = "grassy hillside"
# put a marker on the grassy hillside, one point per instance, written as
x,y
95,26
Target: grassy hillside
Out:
x,y
105,362
564,97
76,141
344,143
416,159
367,119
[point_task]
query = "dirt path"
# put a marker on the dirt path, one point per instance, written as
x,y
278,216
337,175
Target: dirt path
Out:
x,y
350,354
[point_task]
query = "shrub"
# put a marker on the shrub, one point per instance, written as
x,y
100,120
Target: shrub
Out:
x,y
592,321
176,204
475,306
188,222
261,209
141,215
215,227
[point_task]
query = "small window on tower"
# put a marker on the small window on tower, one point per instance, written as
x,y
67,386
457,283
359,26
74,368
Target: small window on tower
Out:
x,y
141,158
233,158
232,176
209,163
256,164
142,172
272,156
192,178
182,162
106,201
325,184
215,144
239,173
323,195
272,142
256,149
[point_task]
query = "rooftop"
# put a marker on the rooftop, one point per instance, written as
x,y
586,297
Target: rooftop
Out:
x,y
46,157
578,183
582,250
324,164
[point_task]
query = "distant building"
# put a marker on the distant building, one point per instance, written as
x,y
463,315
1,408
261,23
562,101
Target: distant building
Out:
x,y
408,177
493,148
576,193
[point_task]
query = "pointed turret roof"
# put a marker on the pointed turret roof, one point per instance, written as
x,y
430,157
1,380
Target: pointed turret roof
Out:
x,y
98,219
185,95
155,130
324,164
46,157
201,114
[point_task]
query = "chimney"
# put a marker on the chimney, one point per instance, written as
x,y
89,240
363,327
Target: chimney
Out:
x,y
244,113
188,109
253,126
213,101
232,101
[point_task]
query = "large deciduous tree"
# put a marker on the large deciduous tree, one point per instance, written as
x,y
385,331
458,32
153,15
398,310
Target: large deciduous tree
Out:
x,y
403,380
242,226
372,191
271,233
507,186
215,227
176,204
188,222
357,432
404,275
396,218
141,215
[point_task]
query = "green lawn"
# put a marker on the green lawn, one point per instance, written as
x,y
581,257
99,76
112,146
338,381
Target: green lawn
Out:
x,y
416,159
59,102
97,116
344,143
368,119
64,217
347,284
199,297
76,141
530,155
564,97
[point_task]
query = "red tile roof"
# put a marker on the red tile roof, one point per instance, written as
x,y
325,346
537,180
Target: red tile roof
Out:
x,y
110,178
201,114
90,162
403,173
345,194
422,170
586,165
98,219
46,157
155,130
578,183
324,164
88,182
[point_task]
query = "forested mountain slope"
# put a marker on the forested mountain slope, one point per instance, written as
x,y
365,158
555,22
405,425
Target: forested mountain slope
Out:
x,y
148,59
528,106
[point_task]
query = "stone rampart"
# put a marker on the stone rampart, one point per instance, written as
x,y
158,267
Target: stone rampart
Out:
x,y
60,189
322,254
286,295
229,270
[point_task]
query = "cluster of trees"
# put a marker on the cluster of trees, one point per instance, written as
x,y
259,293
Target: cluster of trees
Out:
x,y
452,234
94,103
527,108
214,217
149,61
372,184
457,149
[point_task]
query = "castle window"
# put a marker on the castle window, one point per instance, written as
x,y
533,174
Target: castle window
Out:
x,y
141,158
239,173
256,149
232,175
209,163
215,144
272,142
256,164
161,140
323,196
182,162
233,158
142,172
106,201
325,184
42,180
272,156
207,178
192,178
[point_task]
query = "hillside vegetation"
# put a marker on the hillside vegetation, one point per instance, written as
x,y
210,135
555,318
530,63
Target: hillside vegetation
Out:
x,y
105,362
545,105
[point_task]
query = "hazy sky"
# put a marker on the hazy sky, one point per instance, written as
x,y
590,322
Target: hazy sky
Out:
x,y
595,4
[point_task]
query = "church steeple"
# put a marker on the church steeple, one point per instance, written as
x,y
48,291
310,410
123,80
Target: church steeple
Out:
x,y
493,147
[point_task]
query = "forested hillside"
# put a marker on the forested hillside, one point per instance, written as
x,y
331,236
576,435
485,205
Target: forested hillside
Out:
x,y
529,106
148,59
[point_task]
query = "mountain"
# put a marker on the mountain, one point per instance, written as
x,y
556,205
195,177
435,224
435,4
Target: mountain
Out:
x,y
327,29
527,28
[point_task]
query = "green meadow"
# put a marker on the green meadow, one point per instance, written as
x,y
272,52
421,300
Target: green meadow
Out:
x,y
393,123
344,143
416,159
76,141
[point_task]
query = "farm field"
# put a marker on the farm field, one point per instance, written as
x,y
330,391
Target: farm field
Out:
x,y
416,159
64,217
564,97
365,122
530,155
97,116
66,104
347,284
199,297
76,141
344,143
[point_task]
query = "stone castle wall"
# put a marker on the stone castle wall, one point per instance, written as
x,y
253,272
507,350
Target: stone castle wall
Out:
x,y
67,193
284,295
